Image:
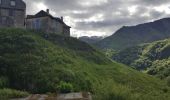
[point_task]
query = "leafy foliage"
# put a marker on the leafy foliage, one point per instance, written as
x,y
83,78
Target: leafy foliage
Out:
x,y
4,82
168,80
152,57
109,52
64,87
6,94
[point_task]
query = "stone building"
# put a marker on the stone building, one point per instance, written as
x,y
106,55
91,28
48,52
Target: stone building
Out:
x,y
44,21
12,13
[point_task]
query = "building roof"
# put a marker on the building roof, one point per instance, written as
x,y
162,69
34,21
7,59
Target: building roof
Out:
x,y
43,13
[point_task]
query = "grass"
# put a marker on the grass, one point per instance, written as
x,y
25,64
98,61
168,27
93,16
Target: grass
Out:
x,y
39,62
6,94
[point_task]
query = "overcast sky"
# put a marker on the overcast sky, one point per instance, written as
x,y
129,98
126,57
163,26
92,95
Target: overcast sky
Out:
x,y
101,17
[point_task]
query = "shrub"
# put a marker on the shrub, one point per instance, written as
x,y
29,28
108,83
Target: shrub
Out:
x,y
64,87
6,94
168,81
142,63
3,82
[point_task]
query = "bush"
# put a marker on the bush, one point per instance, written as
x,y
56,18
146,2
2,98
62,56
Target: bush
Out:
x,y
3,82
6,94
168,81
142,63
64,87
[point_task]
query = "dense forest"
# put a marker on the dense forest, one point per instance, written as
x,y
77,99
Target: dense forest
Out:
x,y
153,58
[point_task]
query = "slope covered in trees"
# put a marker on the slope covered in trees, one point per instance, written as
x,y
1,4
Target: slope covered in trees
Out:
x,y
152,57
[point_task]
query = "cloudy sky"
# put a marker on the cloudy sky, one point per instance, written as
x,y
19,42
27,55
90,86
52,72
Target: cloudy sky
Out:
x,y
101,17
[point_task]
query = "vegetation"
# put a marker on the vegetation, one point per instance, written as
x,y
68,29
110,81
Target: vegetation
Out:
x,y
3,82
6,94
64,87
43,63
129,36
154,58
109,52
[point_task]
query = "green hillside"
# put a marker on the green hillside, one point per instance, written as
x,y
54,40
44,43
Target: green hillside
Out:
x,y
153,57
43,63
129,36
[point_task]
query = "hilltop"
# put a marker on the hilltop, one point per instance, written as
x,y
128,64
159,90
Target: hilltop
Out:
x,y
129,36
42,63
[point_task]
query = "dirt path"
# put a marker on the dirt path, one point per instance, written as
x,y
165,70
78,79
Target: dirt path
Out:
x,y
35,97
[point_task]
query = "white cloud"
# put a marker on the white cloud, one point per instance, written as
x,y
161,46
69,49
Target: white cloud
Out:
x,y
41,6
132,10
79,33
89,3
101,17
163,8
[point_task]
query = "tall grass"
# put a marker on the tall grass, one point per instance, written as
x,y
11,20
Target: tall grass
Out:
x,y
6,94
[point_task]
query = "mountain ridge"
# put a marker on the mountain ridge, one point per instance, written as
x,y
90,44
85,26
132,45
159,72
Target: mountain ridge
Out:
x,y
129,36
90,40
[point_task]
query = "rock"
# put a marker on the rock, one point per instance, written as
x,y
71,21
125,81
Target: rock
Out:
x,y
67,96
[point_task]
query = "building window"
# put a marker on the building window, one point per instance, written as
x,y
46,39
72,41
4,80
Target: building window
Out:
x,y
4,20
11,12
13,3
0,20
37,24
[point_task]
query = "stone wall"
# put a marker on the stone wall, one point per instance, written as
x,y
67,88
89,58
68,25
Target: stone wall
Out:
x,y
37,24
47,24
66,31
74,96
19,19
12,16
68,96
55,26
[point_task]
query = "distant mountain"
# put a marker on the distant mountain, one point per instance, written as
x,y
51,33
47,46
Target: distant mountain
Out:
x,y
129,36
90,40
152,57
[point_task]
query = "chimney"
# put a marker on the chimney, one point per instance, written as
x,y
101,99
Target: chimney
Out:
x,y
62,18
48,11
